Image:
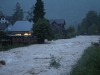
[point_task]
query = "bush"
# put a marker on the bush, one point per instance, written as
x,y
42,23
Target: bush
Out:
x,y
93,30
70,35
71,32
4,48
58,36
95,43
2,34
1,48
8,47
89,63
55,62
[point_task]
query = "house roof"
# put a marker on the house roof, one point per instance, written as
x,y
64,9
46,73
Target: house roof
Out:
x,y
3,26
58,21
22,26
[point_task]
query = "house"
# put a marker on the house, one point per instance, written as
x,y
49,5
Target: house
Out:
x,y
22,28
5,22
20,33
3,19
58,26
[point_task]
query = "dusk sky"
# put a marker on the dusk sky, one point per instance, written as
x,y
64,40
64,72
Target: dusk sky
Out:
x,y
73,11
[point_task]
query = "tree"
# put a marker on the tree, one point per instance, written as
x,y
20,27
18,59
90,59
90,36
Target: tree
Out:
x,y
71,32
30,14
93,30
99,22
71,29
90,19
18,14
84,27
1,13
38,11
99,19
79,29
42,29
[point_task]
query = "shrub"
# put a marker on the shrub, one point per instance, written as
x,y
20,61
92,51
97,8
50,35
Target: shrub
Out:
x,y
8,47
70,35
71,32
55,62
1,48
2,34
95,43
58,36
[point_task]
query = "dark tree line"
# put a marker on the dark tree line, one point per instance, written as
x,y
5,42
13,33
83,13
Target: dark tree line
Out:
x,y
90,24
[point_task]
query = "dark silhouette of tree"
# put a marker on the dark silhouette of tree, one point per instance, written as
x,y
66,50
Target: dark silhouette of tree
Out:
x,y
18,13
90,19
83,27
42,29
30,14
71,32
1,13
93,30
99,19
38,11
99,23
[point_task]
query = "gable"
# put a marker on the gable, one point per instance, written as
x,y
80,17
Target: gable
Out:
x,y
53,23
57,21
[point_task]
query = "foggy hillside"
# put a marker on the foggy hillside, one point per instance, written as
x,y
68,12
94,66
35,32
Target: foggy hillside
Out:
x,y
73,11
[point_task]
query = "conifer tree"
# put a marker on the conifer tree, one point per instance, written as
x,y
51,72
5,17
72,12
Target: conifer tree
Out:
x,y
1,13
18,14
38,11
30,14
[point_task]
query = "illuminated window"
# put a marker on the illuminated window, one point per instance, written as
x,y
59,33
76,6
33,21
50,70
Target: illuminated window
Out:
x,y
29,34
18,34
26,34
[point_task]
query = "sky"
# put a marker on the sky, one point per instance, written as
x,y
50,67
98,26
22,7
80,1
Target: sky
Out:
x,y
73,11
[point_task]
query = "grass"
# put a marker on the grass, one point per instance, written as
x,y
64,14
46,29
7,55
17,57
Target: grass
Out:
x,y
89,63
8,47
